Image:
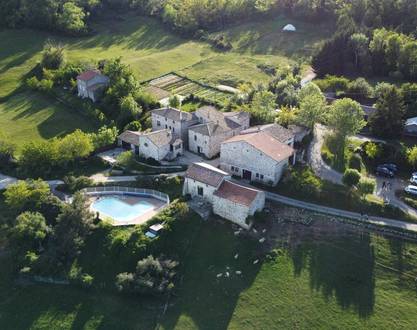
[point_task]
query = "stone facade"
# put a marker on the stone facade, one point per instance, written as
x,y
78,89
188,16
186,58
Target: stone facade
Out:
x,y
243,160
176,121
238,213
228,199
207,145
91,84
159,145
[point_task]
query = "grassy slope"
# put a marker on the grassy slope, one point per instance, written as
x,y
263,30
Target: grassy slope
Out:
x,y
343,281
337,283
151,50
27,117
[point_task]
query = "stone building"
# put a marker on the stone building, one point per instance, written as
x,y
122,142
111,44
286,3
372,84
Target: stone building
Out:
x,y
214,128
202,180
159,145
229,200
91,84
237,203
279,132
255,157
178,122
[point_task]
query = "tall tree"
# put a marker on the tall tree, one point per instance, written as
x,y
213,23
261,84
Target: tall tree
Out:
x,y
312,106
388,120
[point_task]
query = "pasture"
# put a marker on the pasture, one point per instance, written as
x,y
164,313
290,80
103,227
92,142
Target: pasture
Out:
x,y
326,276
152,51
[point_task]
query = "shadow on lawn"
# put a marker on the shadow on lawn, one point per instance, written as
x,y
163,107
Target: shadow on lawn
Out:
x,y
207,301
340,267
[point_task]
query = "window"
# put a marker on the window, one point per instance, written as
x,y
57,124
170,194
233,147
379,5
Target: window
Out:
x,y
200,191
173,129
233,168
145,144
195,137
166,126
257,175
158,123
236,169
262,176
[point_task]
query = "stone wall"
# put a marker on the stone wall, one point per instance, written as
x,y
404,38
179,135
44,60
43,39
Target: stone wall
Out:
x,y
191,187
242,156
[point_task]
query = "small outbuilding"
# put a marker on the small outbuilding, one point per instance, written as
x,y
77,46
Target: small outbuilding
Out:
x,y
410,126
289,28
237,203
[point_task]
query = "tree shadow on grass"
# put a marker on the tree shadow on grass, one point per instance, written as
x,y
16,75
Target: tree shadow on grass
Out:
x,y
206,301
62,120
340,267
136,33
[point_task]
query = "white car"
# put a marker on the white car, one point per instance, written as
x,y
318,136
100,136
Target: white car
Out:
x,y
412,190
414,178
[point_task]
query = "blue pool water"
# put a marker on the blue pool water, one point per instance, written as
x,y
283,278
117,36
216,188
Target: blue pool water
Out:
x,y
120,211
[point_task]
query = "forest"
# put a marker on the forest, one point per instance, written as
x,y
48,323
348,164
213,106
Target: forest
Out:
x,y
190,16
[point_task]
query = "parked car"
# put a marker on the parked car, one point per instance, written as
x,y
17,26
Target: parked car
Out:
x,y
391,167
414,178
383,171
412,190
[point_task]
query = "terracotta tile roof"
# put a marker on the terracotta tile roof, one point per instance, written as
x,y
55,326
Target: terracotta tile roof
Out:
x,y
130,137
236,193
88,75
206,173
174,114
279,132
265,143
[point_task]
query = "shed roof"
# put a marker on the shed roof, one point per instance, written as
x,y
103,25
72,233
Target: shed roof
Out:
x,y
265,143
130,137
206,173
236,193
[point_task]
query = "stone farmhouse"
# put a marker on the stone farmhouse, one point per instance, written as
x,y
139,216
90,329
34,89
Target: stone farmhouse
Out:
x,y
257,157
228,199
91,84
178,122
214,128
159,145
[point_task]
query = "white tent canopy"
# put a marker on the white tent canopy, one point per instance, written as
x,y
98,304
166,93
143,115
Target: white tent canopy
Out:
x,y
289,27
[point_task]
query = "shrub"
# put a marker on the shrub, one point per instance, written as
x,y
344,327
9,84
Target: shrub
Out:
x,y
355,162
372,150
327,156
53,56
351,177
366,186
153,276
304,180
77,183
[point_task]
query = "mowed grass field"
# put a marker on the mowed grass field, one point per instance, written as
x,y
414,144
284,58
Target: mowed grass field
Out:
x,y
345,280
27,117
151,50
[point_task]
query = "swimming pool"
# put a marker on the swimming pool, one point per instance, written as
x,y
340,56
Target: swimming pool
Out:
x,y
119,210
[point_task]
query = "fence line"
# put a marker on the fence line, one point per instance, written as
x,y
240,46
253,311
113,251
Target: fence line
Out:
x,y
120,190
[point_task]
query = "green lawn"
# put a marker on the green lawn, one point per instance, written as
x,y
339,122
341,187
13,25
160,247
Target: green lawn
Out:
x,y
328,277
151,50
27,116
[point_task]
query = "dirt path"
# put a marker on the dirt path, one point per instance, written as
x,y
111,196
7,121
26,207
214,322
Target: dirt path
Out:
x,y
320,168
